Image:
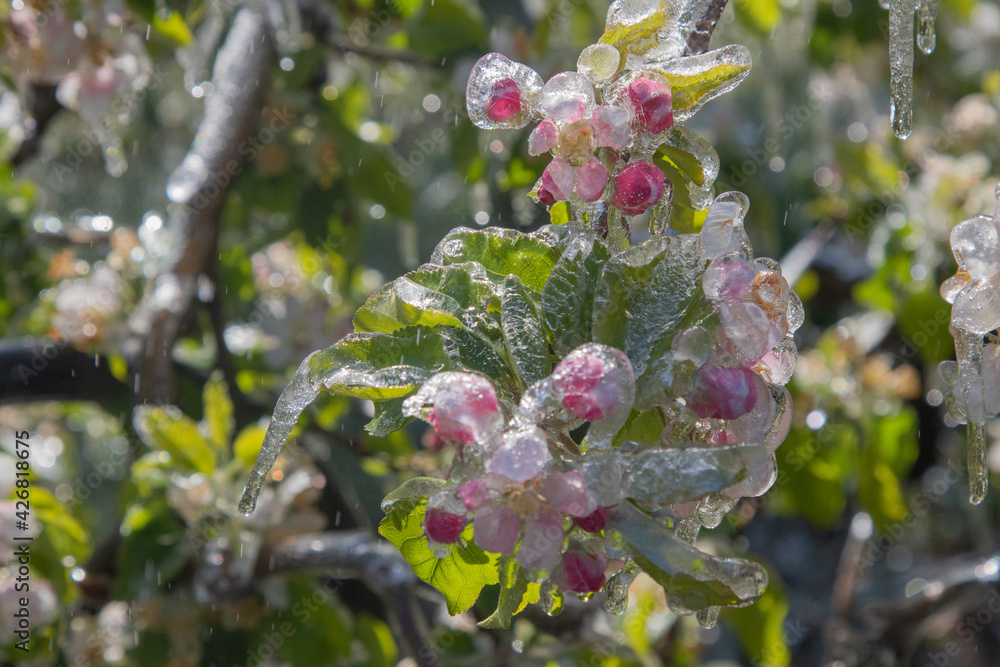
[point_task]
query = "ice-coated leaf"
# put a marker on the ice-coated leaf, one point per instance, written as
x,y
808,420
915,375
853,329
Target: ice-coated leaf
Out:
x,y
661,477
697,79
634,26
459,576
169,430
502,252
690,578
523,333
568,295
411,491
513,597
691,155
362,365
388,418
647,294
427,297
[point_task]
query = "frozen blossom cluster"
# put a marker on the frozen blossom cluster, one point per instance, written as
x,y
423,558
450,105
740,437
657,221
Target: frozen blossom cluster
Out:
x,y
601,400
973,380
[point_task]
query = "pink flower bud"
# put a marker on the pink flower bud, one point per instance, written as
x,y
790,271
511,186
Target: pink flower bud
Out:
x,y
582,572
592,385
724,393
638,187
505,101
443,527
594,522
465,407
651,104
544,196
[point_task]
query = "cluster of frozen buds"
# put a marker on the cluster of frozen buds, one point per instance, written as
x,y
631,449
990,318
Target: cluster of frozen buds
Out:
x,y
973,380
514,480
602,123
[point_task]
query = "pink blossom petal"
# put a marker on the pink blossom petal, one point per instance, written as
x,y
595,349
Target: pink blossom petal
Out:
x,y
566,492
724,393
595,521
495,529
557,179
543,138
522,456
543,540
591,179
476,493
611,124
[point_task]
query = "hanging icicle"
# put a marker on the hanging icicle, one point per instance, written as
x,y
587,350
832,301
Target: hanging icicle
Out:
x,y
901,65
926,15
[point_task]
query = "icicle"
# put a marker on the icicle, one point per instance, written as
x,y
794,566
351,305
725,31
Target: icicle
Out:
x,y
926,14
616,590
708,617
901,65
551,598
299,393
969,351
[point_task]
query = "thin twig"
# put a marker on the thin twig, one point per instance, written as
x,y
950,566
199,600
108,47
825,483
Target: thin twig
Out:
x,y
709,13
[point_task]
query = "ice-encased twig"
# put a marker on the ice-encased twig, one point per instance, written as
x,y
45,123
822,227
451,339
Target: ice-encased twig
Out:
x,y
969,353
296,397
901,65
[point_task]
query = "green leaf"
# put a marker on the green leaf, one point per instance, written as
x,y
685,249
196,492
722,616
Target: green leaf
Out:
x,y
449,27
219,420
568,295
559,213
647,294
502,252
643,427
376,637
689,577
691,156
67,536
761,16
459,576
697,79
513,600
388,418
173,27
152,552
889,452
427,297
247,444
523,333
167,429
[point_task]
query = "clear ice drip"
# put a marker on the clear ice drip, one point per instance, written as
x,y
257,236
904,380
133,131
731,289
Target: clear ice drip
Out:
x,y
299,393
616,590
901,65
969,351
926,15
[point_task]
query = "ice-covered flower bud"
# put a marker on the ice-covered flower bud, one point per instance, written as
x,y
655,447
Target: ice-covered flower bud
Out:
x,y
581,570
444,527
502,93
638,186
595,521
723,393
593,381
543,138
561,179
651,104
568,97
464,407
504,102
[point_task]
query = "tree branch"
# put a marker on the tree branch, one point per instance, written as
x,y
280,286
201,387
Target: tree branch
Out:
x,y
707,14
198,190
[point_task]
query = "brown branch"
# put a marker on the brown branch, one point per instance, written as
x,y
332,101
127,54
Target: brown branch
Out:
x,y
707,14
198,190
